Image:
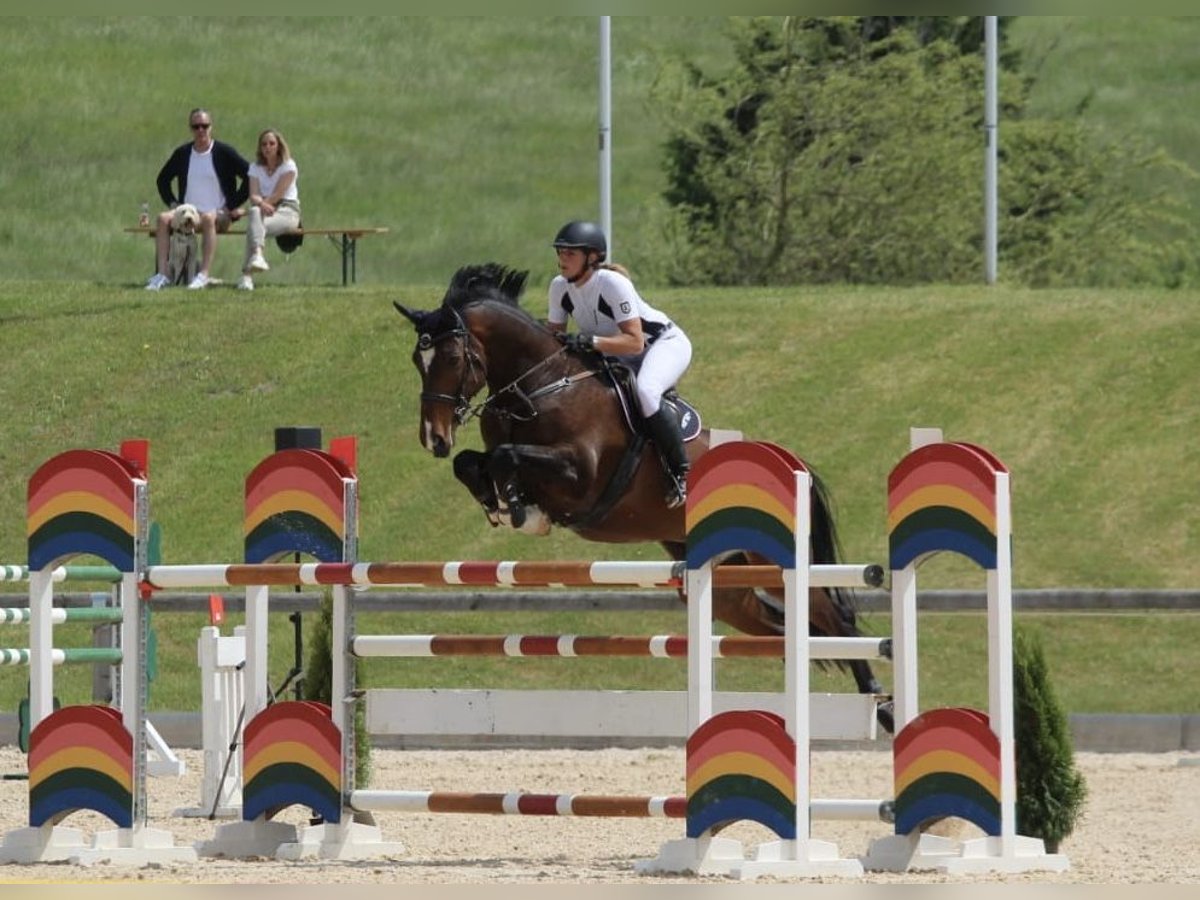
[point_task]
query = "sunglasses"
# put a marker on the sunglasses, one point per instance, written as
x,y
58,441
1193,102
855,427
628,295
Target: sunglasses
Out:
x,y
200,126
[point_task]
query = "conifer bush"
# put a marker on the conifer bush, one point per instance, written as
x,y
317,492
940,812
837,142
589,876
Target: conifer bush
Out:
x,y
1050,789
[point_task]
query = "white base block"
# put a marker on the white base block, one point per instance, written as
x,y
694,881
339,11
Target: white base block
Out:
x,y
986,855
697,856
136,846
49,843
348,840
248,840
811,859
926,852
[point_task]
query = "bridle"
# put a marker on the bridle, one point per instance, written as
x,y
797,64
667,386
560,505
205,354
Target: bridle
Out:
x,y
463,410
459,400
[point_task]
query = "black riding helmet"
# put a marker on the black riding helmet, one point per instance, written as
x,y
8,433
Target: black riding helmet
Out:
x,y
582,236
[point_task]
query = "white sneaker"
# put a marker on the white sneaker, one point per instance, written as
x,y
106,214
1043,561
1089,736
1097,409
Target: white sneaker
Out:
x,y
245,283
157,282
258,264
200,281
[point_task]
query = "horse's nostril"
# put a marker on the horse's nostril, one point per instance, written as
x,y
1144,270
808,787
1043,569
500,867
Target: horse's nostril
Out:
x,y
441,449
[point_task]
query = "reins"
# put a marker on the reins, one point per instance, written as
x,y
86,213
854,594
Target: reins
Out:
x,y
463,410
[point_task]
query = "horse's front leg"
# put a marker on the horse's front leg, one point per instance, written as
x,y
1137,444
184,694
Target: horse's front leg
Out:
x,y
516,467
471,468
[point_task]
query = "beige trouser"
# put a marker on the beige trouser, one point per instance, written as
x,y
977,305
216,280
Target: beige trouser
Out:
x,y
258,229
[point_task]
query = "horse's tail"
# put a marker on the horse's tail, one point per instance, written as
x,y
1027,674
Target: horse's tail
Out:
x,y
826,549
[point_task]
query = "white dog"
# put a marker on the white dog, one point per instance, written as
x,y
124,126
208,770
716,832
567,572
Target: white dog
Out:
x,y
183,259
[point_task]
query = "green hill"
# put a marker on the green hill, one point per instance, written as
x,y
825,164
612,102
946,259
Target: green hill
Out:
x,y
467,137
1088,397
473,139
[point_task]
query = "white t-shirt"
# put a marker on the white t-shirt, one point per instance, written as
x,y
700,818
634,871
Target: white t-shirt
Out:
x,y
266,183
607,299
203,189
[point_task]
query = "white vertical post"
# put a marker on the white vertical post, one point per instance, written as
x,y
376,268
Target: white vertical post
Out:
x,y
256,686
41,641
221,661
905,683
131,641
605,137
340,676
700,654
796,651
1000,668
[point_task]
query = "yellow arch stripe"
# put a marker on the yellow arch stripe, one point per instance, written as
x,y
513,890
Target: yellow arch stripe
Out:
x,y
81,758
947,761
741,763
740,495
80,501
941,495
289,501
291,752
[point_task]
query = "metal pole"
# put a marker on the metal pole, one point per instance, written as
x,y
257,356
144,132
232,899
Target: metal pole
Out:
x,y
606,132
990,115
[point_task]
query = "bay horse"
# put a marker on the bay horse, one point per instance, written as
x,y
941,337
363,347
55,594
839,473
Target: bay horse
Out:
x,y
560,451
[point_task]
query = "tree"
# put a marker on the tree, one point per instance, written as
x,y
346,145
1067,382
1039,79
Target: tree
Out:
x,y
1050,790
849,149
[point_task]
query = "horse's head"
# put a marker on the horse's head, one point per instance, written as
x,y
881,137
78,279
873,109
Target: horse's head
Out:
x,y
449,357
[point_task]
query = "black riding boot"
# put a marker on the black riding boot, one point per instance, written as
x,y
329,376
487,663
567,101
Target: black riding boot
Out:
x,y
664,430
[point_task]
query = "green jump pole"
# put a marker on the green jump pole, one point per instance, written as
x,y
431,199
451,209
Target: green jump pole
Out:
x,y
15,615
69,656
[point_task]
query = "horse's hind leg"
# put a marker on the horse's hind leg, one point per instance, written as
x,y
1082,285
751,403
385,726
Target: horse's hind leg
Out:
x,y
741,608
832,614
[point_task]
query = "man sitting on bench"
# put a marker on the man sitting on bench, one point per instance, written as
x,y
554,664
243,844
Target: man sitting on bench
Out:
x,y
213,177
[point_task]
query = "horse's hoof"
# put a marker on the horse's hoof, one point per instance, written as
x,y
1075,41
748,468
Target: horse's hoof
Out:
x,y
885,712
516,516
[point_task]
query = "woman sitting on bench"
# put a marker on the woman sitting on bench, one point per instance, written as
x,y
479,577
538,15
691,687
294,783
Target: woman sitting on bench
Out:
x,y
274,201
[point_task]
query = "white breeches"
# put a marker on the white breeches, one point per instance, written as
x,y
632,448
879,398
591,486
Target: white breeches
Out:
x,y
661,368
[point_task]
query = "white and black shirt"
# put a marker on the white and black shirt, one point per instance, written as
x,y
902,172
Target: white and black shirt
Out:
x,y
605,300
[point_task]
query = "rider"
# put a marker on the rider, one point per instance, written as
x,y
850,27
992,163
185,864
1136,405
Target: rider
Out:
x,y
614,320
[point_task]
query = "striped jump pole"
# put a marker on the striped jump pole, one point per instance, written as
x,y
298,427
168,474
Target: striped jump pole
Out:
x,y
17,615
649,574
69,656
517,803
665,646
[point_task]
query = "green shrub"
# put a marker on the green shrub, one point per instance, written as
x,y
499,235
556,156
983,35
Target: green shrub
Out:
x,y
838,152
1050,790
318,685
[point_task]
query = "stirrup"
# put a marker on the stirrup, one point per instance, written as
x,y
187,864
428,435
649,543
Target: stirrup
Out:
x,y
676,493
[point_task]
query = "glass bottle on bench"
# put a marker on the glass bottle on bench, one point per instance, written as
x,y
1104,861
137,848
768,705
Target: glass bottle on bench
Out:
x,y
144,215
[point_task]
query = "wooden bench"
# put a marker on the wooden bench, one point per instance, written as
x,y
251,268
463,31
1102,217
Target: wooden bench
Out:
x,y
348,243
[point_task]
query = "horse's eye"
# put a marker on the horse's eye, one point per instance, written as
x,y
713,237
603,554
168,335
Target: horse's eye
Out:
x,y
425,341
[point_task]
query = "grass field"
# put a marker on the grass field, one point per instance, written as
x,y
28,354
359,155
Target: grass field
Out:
x,y
468,137
1146,666
1086,396
472,139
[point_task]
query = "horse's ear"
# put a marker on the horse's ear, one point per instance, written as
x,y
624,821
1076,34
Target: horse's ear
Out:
x,y
414,316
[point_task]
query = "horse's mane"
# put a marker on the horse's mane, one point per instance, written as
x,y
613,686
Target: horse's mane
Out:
x,y
488,281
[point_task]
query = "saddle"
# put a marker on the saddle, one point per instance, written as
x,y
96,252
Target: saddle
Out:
x,y
624,380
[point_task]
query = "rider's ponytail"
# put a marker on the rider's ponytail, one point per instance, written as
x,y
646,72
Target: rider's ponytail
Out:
x,y
616,267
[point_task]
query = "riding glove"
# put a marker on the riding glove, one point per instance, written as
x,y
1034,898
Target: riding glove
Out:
x,y
580,343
